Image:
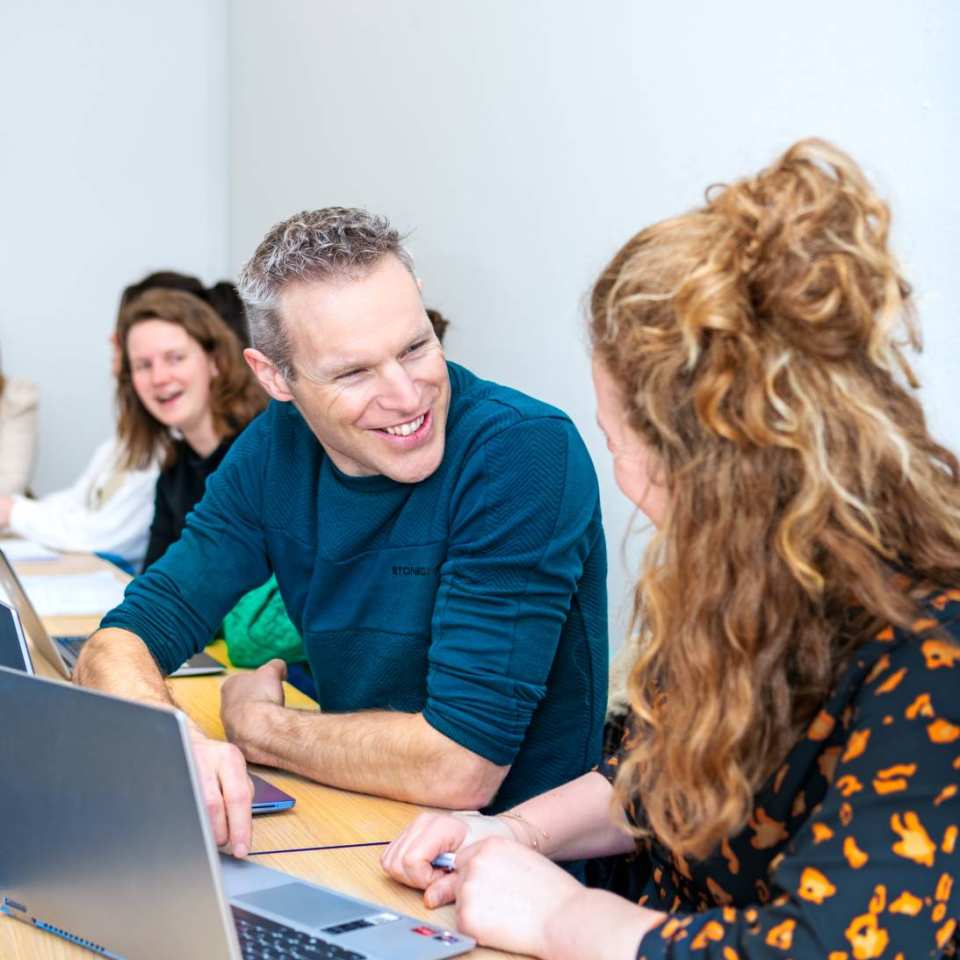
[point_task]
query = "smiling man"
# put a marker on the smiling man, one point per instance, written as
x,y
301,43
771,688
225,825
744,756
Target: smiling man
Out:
x,y
436,539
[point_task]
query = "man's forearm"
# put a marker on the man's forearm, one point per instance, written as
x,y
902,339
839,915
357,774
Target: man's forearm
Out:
x,y
385,753
117,661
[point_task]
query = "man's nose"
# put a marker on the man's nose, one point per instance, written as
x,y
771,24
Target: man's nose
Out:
x,y
398,390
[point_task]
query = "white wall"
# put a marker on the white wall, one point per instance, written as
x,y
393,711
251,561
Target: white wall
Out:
x,y
523,142
114,160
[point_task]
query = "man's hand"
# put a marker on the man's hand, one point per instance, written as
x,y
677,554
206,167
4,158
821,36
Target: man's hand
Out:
x,y
6,507
118,662
241,694
387,753
227,792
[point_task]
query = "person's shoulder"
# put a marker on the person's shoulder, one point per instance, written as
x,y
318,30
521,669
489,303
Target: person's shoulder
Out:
x,y
511,435
277,445
276,425
18,397
111,457
279,415
108,456
919,663
109,449
482,407
933,636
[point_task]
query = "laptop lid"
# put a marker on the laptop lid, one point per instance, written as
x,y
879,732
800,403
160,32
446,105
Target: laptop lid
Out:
x,y
105,842
14,652
201,664
32,625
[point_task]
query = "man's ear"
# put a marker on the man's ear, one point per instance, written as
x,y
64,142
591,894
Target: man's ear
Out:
x,y
265,370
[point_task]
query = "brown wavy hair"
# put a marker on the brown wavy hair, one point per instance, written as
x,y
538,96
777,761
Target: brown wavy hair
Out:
x,y
235,396
754,341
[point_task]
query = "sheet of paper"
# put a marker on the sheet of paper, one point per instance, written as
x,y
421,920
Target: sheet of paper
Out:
x,y
73,594
26,551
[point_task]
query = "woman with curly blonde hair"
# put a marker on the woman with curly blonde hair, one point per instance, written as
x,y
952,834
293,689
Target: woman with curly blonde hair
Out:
x,y
787,781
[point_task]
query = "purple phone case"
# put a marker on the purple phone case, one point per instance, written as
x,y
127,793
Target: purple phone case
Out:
x,y
268,798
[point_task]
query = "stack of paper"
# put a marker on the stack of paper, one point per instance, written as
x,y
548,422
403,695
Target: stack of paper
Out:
x,y
73,594
26,551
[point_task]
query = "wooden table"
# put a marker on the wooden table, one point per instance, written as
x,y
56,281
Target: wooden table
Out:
x,y
322,815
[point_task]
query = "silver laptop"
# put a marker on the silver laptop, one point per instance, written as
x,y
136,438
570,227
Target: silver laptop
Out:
x,y
106,843
14,652
62,652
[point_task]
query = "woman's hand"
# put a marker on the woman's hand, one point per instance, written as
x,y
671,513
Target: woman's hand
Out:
x,y
511,898
408,858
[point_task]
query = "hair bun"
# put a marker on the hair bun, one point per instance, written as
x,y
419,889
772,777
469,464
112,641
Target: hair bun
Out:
x,y
808,236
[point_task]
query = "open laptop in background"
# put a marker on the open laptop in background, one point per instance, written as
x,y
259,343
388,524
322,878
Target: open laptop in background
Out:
x,y
107,844
14,651
62,652
15,654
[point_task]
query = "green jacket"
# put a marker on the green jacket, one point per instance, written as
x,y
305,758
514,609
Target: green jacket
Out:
x,y
258,629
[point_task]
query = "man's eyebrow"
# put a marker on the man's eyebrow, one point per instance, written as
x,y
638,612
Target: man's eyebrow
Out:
x,y
422,334
343,365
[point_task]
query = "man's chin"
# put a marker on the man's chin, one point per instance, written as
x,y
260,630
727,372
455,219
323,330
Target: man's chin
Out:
x,y
414,471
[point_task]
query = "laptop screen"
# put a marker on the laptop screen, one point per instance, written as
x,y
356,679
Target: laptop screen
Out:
x,y
10,585
13,650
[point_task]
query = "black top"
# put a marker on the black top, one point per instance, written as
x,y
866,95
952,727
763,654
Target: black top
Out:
x,y
851,852
179,490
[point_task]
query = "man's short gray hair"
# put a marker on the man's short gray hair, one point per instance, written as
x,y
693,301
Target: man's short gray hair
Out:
x,y
315,245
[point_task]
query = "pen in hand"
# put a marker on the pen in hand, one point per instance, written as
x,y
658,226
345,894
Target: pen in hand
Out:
x,y
444,861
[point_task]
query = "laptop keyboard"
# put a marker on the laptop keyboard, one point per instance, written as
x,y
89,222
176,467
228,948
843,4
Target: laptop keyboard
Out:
x,y
73,644
263,939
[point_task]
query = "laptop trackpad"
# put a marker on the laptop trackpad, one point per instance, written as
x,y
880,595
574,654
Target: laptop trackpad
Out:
x,y
303,904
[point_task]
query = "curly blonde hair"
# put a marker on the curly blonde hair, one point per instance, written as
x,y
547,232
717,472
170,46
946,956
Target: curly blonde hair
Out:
x,y
754,343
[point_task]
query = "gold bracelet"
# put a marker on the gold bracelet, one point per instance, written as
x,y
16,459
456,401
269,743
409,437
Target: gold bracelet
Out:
x,y
531,828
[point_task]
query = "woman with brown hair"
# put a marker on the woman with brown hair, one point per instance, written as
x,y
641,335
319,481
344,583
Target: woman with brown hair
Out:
x,y
108,509
787,782
184,393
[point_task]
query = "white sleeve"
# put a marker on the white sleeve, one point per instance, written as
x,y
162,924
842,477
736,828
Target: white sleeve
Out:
x,y
70,519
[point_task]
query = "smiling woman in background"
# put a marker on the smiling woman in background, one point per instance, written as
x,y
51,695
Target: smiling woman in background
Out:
x,y
184,393
787,782
108,509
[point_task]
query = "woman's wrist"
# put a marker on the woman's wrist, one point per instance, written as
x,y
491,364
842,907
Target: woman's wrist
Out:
x,y
526,832
509,824
479,825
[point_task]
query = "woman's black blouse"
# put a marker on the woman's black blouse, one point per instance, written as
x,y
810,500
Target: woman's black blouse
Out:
x,y
179,489
852,851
